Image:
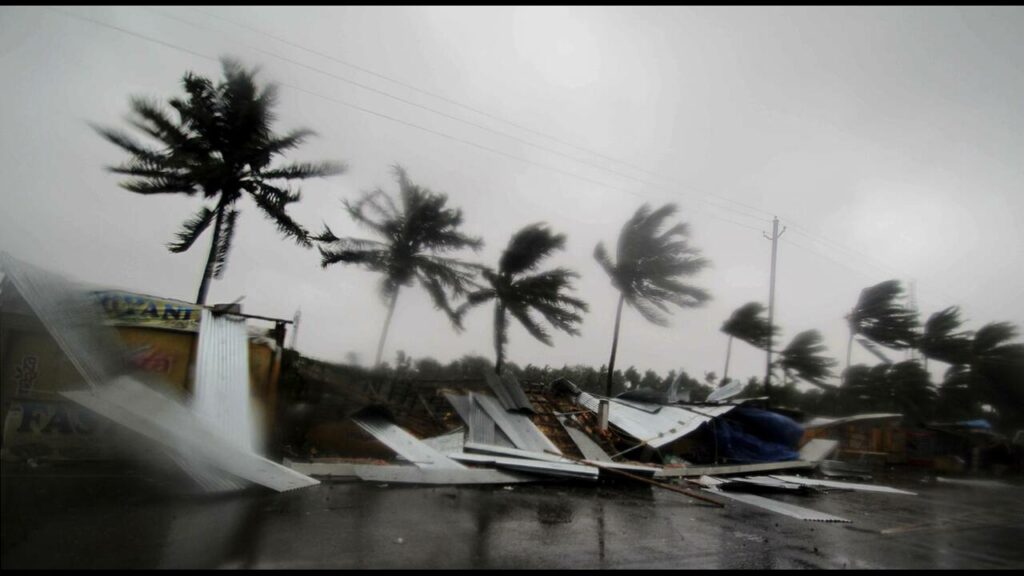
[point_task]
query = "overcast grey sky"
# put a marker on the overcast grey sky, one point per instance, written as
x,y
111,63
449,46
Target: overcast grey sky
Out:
x,y
888,140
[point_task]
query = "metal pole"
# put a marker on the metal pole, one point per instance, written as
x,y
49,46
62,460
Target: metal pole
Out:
x,y
771,312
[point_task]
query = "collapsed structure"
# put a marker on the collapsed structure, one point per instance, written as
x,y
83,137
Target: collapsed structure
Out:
x,y
215,419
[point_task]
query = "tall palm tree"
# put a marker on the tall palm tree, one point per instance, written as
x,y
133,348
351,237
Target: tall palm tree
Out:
x,y
881,317
218,142
805,358
415,233
940,339
648,270
749,325
517,288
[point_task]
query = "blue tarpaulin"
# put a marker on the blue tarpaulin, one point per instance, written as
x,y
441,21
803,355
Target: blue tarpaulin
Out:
x,y
748,435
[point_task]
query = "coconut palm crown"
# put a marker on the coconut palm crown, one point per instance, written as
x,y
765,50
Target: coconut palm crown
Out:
x,y
415,235
517,288
217,141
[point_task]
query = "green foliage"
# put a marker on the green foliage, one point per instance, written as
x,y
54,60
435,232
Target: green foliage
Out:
x,y
748,323
805,358
415,234
650,264
881,317
217,141
518,289
941,340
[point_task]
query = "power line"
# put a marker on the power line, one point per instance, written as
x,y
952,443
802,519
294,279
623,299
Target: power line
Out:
x,y
704,197
834,245
374,112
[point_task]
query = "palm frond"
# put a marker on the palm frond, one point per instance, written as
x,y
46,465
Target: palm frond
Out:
x,y
273,201
303,170
528,247
192,229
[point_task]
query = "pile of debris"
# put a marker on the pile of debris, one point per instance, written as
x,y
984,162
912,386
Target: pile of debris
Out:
x,y
496,431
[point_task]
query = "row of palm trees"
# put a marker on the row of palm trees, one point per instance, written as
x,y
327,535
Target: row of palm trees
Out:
x,y
986,366
217,141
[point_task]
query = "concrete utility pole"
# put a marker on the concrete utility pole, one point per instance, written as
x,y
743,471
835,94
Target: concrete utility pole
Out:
x,y
295,328
771,310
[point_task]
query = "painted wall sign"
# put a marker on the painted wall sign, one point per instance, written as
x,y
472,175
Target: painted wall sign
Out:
x,y
127,309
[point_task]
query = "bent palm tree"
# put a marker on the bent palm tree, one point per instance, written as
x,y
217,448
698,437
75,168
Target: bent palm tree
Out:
x,y
517,290
882,318
805,358
747,324
219,143
647,270
941,341
998,364
415,234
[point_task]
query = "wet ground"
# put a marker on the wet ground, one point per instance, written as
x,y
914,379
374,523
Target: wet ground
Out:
x,y
95,517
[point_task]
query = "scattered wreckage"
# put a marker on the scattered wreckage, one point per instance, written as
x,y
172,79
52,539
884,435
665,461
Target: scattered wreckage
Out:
x,y
489,430
492,430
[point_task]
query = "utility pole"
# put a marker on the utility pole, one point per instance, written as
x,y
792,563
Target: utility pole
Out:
x,y
771,310
295,329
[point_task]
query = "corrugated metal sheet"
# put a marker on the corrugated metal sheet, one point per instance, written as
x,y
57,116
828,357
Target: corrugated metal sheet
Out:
x,y
533,466
725,392
518,427
72,318
693,471
411,474
826,422
817,449
447,443
159,417
842,485
508,391
481,426
590,449
485,431
793,511
403,443
656,428
221,390
515,453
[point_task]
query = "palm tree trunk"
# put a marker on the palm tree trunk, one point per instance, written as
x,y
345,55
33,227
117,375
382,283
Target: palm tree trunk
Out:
x,y
387,323
211,260
615,347
603,414
499,331
846,373
728,354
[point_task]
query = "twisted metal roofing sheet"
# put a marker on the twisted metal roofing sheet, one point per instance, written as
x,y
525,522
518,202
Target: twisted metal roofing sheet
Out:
x,y
659,428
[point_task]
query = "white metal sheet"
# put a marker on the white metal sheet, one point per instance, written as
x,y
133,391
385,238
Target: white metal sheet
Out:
x,y
403,443
842,485
160,418
657,429
791,510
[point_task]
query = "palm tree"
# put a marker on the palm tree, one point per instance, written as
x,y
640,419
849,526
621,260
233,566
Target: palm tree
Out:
x,y
941,341
805,358
648,270
218,142
882,318
517,288
414,235
749,325
998,365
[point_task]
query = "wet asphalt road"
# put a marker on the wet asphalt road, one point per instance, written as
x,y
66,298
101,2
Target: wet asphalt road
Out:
x,y
61,518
